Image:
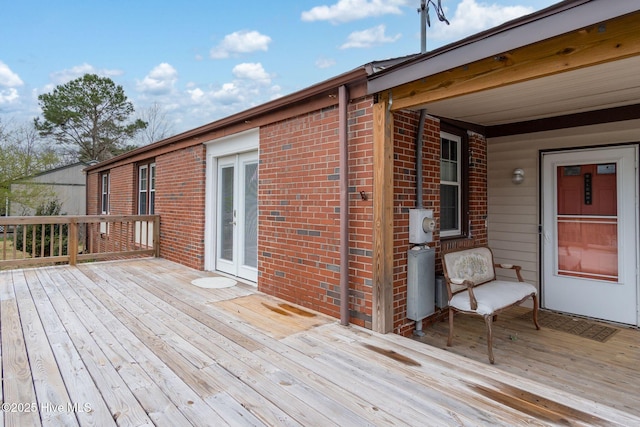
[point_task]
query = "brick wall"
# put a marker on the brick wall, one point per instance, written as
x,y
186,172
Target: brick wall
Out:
x,y
478,188
361,211
122,180
93,193
180,202
299,216
405,128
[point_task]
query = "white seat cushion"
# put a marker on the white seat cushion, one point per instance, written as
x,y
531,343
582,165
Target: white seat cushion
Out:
x,y
493,296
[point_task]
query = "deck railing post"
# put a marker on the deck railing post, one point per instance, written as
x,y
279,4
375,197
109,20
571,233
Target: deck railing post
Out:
x,y
156,235
72,245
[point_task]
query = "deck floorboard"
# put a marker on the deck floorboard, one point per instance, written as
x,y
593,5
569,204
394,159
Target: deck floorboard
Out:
x,y
134,343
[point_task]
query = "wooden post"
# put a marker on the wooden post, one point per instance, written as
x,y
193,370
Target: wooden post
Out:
x,y
72,243
156,235
382,316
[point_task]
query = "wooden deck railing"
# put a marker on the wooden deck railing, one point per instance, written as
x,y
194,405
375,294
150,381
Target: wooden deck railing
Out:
x,y
37,240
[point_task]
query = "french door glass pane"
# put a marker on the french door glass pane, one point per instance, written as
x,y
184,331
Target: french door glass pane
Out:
x,y
226,212
251,215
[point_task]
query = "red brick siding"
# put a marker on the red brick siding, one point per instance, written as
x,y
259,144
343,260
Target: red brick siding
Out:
x,y
360,138
405,128
478,188
93,193
122,192
180,202
299,216
121,202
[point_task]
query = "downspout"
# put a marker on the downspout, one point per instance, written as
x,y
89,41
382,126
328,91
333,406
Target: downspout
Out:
x,y
343,100
419,185
419,174
424,21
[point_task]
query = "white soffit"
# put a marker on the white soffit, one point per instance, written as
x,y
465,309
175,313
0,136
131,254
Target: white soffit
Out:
x,y
608,85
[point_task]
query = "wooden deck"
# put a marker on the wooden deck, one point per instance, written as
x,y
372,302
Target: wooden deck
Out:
x,y
134,343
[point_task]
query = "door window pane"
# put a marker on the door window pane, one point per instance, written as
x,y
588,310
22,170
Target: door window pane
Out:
x,y
587,222
251,215
227,213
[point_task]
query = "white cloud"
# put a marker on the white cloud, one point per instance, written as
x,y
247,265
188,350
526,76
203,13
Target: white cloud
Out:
x,y
228,94
195,94
8,78
473,16
325,62
368,38
160,80
64,76
8,95
251,71
351,10
240,42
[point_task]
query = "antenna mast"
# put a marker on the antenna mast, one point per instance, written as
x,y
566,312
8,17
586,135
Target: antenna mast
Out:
x,y
425,21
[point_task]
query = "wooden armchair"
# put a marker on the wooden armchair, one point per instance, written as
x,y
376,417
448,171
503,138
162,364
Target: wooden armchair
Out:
x,y
470,276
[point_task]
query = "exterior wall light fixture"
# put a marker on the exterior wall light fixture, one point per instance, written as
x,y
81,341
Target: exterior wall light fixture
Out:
x,y
518,176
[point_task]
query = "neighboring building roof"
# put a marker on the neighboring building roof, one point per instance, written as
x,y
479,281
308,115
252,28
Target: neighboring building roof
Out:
x,y
563,17
53,171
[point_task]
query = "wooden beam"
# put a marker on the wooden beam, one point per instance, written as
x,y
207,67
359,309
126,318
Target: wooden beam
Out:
x,y
382,316
609,41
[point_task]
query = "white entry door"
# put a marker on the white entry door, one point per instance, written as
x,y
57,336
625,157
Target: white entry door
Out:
x,y
590,233
237,215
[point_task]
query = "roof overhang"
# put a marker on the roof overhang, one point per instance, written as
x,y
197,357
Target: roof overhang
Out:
x,y
576,56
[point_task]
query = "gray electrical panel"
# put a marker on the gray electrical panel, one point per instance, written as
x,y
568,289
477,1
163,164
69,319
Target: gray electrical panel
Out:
x,y
421,276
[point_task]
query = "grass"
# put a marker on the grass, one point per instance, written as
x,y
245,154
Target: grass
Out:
x,y
6,250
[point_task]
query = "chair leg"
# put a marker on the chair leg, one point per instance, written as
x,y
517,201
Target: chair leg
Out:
x,y
535,311
489,320
450,339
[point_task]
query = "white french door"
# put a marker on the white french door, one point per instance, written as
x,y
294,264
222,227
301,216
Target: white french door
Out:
x,y
590,233
237,215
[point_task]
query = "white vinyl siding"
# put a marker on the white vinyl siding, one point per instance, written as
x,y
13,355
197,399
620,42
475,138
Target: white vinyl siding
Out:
x,y
513,210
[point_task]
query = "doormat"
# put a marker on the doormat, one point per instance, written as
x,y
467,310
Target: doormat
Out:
x,y
213,282
573,325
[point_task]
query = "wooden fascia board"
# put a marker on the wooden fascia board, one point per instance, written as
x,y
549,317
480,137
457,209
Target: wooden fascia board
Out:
x,y
599,43
382,298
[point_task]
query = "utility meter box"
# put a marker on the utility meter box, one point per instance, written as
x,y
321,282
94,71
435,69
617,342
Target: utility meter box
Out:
x,y
421,226
420,282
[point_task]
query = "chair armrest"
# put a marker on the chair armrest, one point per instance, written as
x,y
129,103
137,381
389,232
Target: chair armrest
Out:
x,y
473,302
517,268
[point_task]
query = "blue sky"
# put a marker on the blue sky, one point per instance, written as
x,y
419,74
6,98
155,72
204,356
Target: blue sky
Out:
x,y
201,60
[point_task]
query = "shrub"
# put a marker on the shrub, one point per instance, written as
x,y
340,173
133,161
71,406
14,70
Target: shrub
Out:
x,y
24,236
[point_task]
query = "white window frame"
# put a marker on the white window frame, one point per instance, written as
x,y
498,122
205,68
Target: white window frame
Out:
x,y
148,189
458,183
105,193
